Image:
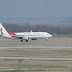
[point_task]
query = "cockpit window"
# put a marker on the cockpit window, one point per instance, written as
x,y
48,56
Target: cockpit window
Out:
x,y
47,33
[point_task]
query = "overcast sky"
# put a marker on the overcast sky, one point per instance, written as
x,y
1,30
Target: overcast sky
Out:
x,y
35,8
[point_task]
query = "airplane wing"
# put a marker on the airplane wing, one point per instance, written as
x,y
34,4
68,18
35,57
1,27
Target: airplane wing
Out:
x,y
20,37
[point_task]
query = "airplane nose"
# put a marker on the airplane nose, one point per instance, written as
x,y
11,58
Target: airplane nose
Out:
x,y
50,35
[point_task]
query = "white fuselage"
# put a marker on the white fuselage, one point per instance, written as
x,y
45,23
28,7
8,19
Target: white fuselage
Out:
x,y
31,35
24,35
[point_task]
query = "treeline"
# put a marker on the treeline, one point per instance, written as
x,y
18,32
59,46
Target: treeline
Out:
x,y
54,29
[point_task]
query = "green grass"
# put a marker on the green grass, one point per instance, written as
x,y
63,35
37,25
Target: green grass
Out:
x,y
49,52
35,71
36,65
43,66
8,71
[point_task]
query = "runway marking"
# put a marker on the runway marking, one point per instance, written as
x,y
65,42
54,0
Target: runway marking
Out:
x,y
47,44
38,47
29,58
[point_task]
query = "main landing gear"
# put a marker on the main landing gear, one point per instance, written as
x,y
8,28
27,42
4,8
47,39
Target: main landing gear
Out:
x,y
22,40
26,40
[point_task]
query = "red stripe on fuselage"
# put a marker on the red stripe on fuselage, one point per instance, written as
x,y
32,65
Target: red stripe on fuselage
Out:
x,y
30,35
11,33
23,35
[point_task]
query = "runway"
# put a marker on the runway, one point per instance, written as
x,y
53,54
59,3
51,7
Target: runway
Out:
x,y
41,47
36,43
29,58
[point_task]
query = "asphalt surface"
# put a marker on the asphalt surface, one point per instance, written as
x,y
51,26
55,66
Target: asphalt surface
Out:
x,y
41,47
29,58
47,44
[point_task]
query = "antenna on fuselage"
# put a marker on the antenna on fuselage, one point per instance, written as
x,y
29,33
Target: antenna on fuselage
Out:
x,y
31,31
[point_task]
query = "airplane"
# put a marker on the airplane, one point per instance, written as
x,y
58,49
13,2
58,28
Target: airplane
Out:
x,y
24,35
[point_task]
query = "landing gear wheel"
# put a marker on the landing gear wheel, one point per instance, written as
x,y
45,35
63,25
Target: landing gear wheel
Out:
x,y
21,40
26,40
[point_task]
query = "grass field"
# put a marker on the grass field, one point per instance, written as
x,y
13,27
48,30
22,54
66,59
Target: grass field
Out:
x,y
47,52
37,65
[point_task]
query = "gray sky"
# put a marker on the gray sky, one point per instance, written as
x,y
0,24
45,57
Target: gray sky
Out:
x,y
35,8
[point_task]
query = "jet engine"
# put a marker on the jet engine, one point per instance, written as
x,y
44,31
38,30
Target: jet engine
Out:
x,y
25,38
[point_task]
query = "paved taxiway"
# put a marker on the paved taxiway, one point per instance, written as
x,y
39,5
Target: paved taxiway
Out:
x,y
29,58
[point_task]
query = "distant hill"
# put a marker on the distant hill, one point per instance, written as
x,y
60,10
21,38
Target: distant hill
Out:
x,y
39,20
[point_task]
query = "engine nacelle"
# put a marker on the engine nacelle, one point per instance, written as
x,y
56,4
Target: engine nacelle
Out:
x,y
34,39
25,38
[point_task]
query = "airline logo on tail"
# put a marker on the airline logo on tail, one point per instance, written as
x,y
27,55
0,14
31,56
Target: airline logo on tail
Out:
x,y
1,30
